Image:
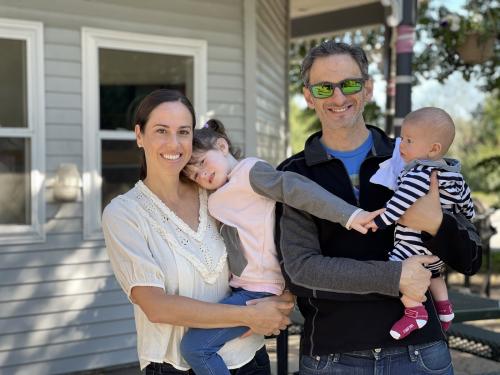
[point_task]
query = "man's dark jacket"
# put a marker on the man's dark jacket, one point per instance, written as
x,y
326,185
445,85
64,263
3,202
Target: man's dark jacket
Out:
x,y
350,305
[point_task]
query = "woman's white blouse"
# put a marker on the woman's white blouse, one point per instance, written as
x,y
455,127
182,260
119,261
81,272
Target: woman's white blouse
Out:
x,y
148,245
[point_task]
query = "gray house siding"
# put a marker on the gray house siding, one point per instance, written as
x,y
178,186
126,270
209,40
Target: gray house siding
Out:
x,y
272,81
61,309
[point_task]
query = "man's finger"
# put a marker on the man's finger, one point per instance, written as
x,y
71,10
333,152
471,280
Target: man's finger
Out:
x,y
434,184
425,259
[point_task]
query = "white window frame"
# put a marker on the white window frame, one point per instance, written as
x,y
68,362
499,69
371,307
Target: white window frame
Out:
x,y
92,40
32,34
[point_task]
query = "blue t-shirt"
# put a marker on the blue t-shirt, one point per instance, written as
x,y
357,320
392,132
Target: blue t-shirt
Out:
x,y
352,160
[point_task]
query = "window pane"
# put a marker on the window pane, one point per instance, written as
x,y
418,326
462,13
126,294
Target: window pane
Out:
x,y
120,168
15,196
13,111
125,77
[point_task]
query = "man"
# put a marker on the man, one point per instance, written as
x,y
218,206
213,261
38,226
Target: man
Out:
x,y
348,332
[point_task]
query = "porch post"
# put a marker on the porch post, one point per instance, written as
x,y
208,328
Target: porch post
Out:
x,y
404,56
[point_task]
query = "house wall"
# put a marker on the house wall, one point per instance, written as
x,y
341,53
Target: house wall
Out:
x,y
271,87
61,309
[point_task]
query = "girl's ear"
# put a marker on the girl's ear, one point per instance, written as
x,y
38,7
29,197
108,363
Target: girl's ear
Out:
x,y
222,145
435,150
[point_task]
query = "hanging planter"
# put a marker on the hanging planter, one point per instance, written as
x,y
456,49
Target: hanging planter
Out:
x,y
476,48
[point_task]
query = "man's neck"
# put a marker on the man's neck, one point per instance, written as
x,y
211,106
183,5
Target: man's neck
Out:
x,y
344,139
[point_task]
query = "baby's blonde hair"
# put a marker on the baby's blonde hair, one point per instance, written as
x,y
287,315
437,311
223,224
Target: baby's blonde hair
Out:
x,y
438,123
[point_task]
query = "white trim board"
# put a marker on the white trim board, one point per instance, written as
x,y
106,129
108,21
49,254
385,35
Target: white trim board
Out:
x,y
32,33
92,40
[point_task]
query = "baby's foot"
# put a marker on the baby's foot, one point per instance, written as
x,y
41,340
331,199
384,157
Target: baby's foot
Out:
x,y
414,318
445,312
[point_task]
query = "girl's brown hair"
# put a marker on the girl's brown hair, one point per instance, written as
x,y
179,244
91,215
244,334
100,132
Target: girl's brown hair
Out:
x,y
205,139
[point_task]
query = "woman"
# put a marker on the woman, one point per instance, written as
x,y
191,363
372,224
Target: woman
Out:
x,y
168,256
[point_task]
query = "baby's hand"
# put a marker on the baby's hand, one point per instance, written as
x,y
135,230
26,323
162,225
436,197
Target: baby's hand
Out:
x,y
364,221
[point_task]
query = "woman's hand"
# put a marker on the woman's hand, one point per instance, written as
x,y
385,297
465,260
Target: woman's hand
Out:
x,y
425,214
269,315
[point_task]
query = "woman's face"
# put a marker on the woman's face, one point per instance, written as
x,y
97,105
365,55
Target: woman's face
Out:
x,y
167,139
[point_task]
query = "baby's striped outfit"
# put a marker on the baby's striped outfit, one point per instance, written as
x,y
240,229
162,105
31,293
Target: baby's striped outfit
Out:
x,y
413,182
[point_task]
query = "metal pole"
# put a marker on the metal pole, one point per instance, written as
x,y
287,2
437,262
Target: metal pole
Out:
x,y
404,57
389,99
282,352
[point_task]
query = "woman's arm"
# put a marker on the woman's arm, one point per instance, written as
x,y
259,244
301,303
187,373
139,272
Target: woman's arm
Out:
x,y
143,281
265,317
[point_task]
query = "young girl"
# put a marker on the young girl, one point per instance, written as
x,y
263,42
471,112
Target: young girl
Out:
x,y
244,197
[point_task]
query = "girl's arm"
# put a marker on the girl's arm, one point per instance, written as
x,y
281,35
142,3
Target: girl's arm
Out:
x,y
264,318
306,195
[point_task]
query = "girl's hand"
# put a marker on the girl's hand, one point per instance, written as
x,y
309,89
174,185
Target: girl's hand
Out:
x,y
364,221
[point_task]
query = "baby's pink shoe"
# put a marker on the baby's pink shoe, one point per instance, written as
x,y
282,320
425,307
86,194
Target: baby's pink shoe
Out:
x,y
414,318
445,312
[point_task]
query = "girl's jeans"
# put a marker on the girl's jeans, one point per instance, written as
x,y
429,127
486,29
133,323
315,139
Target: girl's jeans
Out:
x,y
199,346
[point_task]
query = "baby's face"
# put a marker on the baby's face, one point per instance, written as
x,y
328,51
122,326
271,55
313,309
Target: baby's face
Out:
x,y
415,142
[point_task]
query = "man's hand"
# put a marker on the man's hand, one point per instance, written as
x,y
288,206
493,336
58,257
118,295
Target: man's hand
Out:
x,y
426,213
415,278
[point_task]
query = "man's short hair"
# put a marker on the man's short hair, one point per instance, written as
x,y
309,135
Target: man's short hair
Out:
x,y
328,48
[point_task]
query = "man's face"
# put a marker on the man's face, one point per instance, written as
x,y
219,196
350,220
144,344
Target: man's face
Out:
x,y
338,111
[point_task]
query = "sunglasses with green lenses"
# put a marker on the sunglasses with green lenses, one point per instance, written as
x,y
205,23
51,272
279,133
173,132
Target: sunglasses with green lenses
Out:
x,y
348,86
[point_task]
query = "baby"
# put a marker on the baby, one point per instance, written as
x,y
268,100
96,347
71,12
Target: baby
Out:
x,y
426,136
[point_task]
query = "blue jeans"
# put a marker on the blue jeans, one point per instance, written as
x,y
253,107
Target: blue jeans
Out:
x,y
199,347
259,365
432,358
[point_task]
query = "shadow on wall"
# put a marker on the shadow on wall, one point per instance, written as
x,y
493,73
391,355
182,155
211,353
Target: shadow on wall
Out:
x,y
61,309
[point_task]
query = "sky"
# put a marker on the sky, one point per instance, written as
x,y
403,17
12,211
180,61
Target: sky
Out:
x,y
456,96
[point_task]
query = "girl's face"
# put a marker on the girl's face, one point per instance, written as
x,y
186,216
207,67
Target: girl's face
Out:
x,y
167,139
210,169
415,143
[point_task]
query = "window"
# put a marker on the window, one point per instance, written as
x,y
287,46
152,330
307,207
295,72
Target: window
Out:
x,y
119,69
22,135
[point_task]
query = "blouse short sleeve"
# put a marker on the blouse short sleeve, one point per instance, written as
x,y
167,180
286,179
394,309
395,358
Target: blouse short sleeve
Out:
x,y
127,247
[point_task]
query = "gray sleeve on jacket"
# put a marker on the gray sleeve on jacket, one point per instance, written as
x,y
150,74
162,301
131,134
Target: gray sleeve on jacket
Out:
x,y
299,192
311,274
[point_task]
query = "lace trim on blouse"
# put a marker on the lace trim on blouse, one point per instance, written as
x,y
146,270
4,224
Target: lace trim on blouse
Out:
x,y
158,214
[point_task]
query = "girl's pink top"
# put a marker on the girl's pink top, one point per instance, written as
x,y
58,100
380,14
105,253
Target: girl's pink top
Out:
x,y
237,205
